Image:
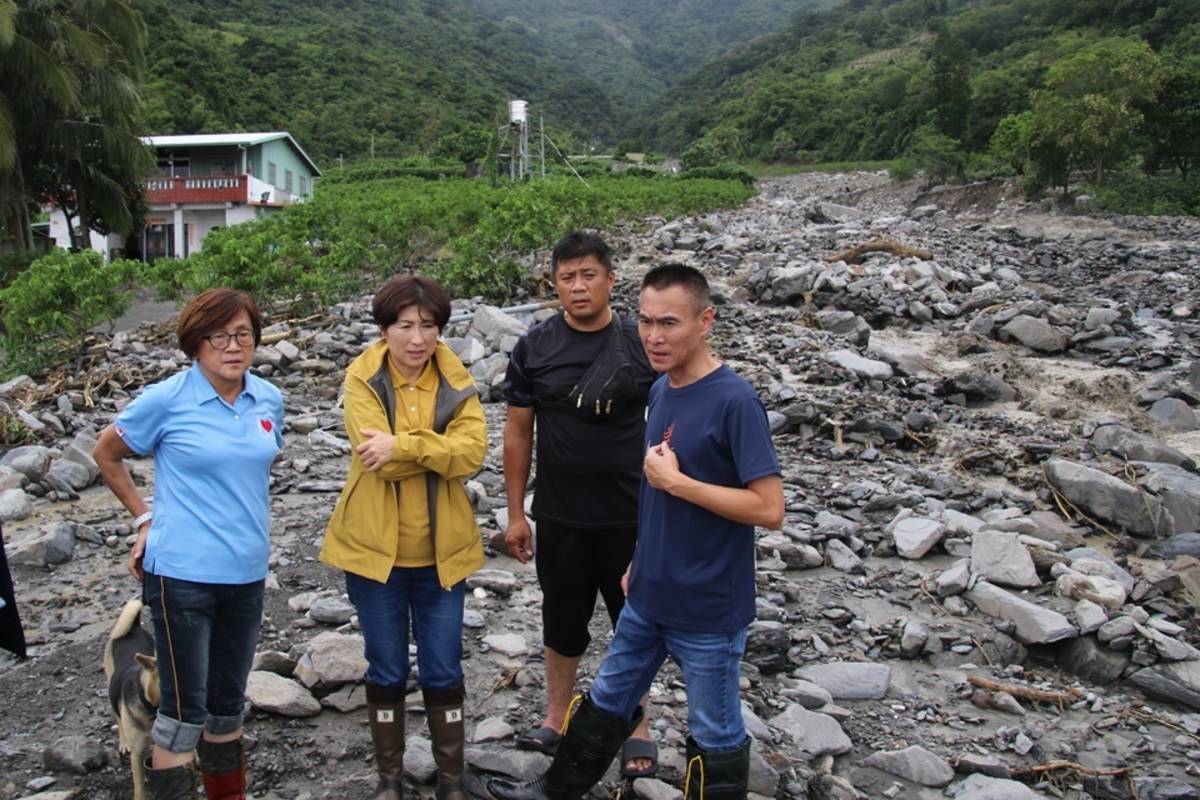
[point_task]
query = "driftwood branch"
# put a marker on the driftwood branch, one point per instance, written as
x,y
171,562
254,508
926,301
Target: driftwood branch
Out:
x,y
855,254
1027,693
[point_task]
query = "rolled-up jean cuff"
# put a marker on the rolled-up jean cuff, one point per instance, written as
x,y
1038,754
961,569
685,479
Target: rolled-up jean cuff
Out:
x,y
219,725
175,736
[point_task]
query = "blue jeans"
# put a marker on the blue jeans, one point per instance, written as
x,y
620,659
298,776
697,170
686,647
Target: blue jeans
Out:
x,y
384,611
204,639
710,664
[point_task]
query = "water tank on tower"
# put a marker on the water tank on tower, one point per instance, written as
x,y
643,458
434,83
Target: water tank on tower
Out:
x,y
517,111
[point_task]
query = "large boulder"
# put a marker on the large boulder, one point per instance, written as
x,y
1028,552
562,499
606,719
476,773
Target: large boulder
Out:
x,y
1179,491
1036,334
1177,682
1134,446
1034,624
1000,557
1109,499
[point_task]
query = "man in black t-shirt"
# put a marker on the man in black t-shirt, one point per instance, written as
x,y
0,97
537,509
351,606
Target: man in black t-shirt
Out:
x,y
581,377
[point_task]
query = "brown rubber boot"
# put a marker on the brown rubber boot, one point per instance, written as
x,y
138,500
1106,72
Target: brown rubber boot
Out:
x,y
385,709
443,710
223,769
173,783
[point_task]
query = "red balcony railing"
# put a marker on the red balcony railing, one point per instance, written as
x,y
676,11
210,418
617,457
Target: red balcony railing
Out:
x,y
213,189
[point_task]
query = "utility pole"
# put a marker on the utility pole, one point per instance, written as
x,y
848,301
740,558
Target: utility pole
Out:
x,y
372,147
542,144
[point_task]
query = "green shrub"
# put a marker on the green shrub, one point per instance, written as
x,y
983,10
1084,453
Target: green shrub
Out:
x,y
701,153
1168,195
903,169
49,308
13,264
720,172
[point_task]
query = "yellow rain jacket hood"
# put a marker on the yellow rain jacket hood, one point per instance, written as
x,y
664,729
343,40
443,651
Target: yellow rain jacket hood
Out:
x,y
362,534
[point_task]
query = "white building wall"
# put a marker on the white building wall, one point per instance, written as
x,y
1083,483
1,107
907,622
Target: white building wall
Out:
x,y
105,245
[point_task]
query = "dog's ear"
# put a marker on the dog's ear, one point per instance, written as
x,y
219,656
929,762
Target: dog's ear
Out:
x,y
147,662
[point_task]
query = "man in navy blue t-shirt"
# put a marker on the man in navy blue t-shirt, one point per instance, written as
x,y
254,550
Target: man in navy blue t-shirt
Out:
x,y
710,476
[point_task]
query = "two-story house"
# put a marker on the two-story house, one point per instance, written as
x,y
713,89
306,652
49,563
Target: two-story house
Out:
x,y
206,181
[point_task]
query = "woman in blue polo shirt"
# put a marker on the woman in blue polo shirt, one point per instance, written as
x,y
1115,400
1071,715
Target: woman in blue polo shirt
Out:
x,y
214,430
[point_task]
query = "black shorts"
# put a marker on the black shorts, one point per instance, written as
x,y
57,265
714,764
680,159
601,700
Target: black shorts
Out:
x,y
572,565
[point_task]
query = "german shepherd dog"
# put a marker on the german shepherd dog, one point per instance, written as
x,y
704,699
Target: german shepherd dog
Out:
x,y
133,689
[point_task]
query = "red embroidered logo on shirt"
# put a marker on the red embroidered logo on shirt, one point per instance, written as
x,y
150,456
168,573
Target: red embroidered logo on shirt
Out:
x,y
668,433
267,426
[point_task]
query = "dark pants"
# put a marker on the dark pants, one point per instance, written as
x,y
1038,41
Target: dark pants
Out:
x,y
574,564
204,638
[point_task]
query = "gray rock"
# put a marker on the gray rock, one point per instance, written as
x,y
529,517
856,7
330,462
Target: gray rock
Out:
x,y
1036,334
331,610
807,694
980,387
812,734
18,384
1089,616
850,680
955,579
350,697
989,765
1168,647
69,473
14,505
1116,628
842,558
275,694
654,789
521,764
832,212
907,361
755,725
1087,658
916,536
492,324
332,659
1179,491
845,323
31,460
78,754
1175,415
512,645
864,367
1181,544
497,581
1109,499
1166,788
1089,554
1034,624
274,661
983,787
1133,446
913,638
289,351
1098,318
764,778
492,729
418,759
767,644
914,764
1000,557
55,545
1177,682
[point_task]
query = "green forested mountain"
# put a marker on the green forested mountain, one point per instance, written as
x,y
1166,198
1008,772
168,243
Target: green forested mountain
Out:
x,y
636,48
341,74
860,80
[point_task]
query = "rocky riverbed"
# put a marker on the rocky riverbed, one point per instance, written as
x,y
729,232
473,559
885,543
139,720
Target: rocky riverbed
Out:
x,y
987,581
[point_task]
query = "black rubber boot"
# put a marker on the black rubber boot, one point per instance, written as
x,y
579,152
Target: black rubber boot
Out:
x,y
587,748
173,783
717,775
444,712
385,710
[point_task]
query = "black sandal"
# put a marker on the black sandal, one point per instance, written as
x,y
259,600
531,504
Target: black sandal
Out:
x,y
632,750
540,740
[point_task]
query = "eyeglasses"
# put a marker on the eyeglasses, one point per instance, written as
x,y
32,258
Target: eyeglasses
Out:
x,y
220,339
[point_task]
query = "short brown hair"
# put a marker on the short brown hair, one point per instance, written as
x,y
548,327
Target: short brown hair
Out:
x,y
410,290
208,312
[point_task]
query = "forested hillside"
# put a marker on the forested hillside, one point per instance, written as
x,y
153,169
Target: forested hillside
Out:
x,y
343,74
636,48
875,79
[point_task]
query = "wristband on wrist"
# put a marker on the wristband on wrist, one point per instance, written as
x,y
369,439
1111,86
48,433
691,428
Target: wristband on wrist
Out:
x,y
142,519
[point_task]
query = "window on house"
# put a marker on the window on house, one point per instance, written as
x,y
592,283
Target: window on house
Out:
x,y
303,186
271,173
287,181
